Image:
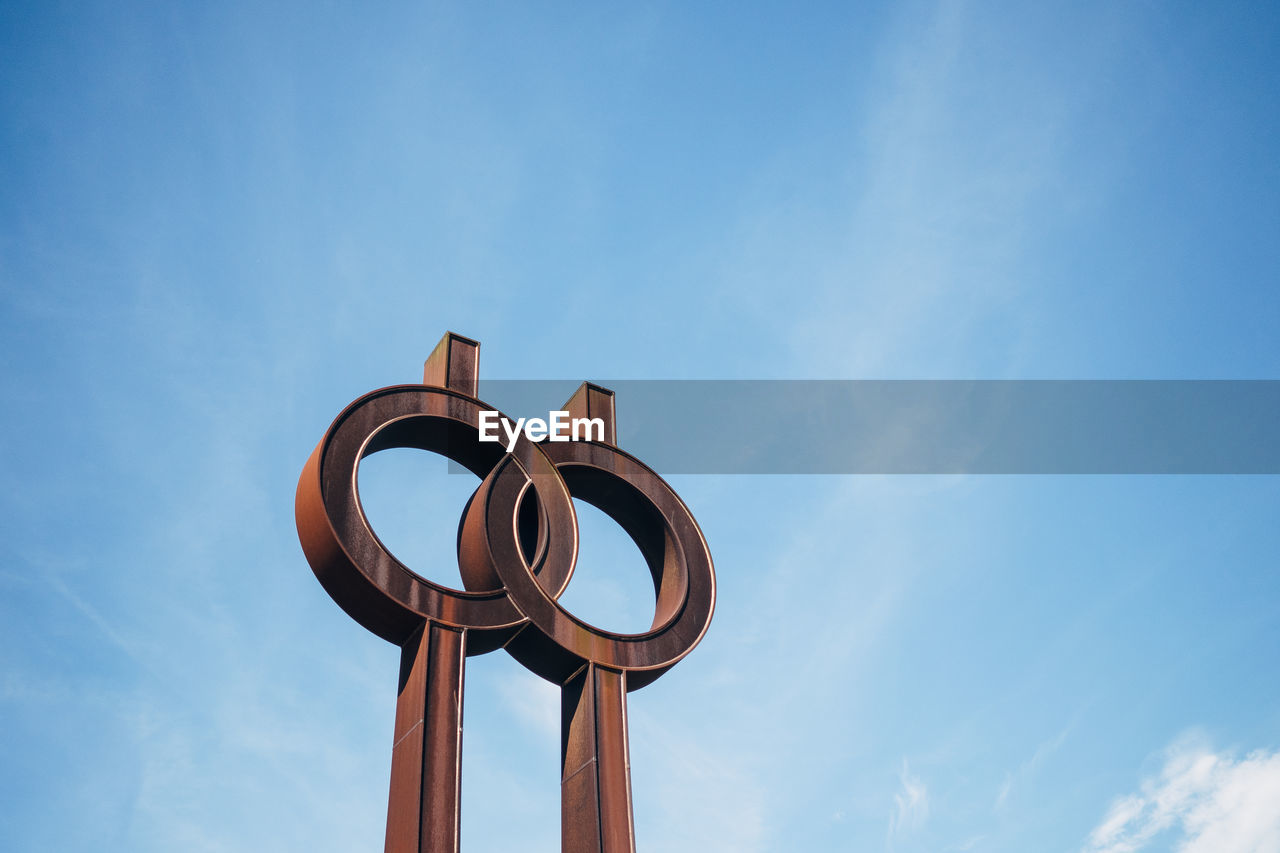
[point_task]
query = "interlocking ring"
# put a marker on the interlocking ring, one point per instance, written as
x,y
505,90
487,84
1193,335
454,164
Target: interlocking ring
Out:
x,y
353,565
557,643
505,590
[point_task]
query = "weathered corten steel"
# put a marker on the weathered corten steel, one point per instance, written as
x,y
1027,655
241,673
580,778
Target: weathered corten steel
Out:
x,y
517,545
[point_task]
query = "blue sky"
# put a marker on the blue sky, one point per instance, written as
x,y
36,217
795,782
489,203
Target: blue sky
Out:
x,y
220,224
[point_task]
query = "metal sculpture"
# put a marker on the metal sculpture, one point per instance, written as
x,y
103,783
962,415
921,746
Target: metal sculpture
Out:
x,y
517,545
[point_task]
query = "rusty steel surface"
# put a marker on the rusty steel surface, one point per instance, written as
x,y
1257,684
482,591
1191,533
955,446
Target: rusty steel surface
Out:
x,y
517,547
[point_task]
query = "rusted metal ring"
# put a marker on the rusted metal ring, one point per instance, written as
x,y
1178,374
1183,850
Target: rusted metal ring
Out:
x,y
556,644
362,575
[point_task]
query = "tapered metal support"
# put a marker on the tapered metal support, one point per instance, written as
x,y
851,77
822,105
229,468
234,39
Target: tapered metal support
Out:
x,y
426,760
595,781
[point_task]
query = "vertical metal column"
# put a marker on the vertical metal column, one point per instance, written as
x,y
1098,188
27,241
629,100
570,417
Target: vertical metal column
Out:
x,y
595,781
426,759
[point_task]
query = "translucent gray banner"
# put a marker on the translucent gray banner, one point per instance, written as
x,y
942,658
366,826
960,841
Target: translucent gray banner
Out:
x,y
932,426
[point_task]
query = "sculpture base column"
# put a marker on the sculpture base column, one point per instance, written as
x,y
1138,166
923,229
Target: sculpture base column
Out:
x,y
595,780
426,759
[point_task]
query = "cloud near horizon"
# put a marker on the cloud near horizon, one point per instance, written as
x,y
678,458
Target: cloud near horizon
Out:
x,y
1211,801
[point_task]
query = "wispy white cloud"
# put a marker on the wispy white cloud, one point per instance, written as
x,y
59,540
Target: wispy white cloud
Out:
x,y
1209,802
1025,770
91,613
910,805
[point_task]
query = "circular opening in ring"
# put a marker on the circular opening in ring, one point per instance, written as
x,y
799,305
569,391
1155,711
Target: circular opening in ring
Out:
x,y
612,586
528,519
440,485
642,521
412,501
